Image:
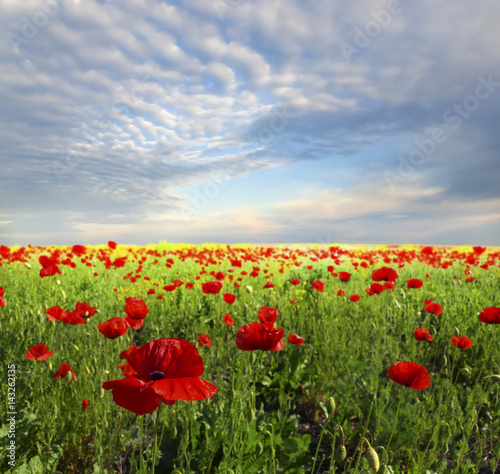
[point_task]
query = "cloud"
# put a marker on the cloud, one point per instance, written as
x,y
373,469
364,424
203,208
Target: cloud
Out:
x,y
125,108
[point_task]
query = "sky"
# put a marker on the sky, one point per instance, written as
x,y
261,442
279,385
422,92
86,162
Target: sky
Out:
x,y
239,121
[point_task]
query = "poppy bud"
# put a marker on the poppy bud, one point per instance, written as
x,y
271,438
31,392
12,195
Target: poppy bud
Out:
x,y
249,289
76,348
58,282
259,448
251,415
68,377
40,318
102,393
373,460
27,265
330,405
86,334
87,370
340,453
50,365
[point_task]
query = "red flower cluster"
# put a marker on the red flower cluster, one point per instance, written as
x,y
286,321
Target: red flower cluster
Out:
x,y
385,274
80,315
318,285
136,311
414,283
2,299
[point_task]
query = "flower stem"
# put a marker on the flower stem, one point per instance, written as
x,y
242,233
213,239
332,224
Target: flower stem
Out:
x,y
155,444
395,423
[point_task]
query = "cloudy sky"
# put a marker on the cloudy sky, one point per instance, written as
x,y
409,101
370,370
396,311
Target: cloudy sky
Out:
x,y
249,121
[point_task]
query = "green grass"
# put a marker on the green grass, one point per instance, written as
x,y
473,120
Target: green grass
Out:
x,y
269,415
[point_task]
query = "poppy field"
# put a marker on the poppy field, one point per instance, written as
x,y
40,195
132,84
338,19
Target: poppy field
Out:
x,y
250,359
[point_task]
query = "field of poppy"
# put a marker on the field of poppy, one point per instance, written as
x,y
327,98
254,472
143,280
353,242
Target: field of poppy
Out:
x,y
283,359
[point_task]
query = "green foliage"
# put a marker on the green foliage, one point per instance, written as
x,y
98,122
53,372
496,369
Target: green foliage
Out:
x,y
271,406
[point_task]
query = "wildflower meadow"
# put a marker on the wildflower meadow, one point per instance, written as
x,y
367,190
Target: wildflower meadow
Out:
x,y
250,359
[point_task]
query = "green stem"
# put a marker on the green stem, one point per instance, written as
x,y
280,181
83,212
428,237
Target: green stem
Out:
x,y
319,444
155,445
395,423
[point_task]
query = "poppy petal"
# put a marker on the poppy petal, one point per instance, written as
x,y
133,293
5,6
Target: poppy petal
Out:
x,y
134,394
171,356
184,388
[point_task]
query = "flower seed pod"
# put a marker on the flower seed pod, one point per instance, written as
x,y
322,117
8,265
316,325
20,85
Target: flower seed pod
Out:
x,y
340,453
373,459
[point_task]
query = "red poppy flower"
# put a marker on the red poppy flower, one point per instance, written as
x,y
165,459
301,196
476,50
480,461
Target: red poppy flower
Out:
x,y
434,308
490,315
267,315
478,250
461,342
55,313
211,287
259,336
63,370
344,276
228,320
469,279
341,293
189,286
49,266
423,334
74,318
297,340
178,283
124,354
85,310
410,374
127,369
355,298
39,352
384,274
414,283
229,298
269,284
136,309
2,299
375,289
85,404
167,370
113,328
293,301
112,245
78,250
171,287
294,281
204,339
134,324
318,285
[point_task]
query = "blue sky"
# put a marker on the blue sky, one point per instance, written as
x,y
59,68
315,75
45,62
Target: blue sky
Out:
x,y
237,121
